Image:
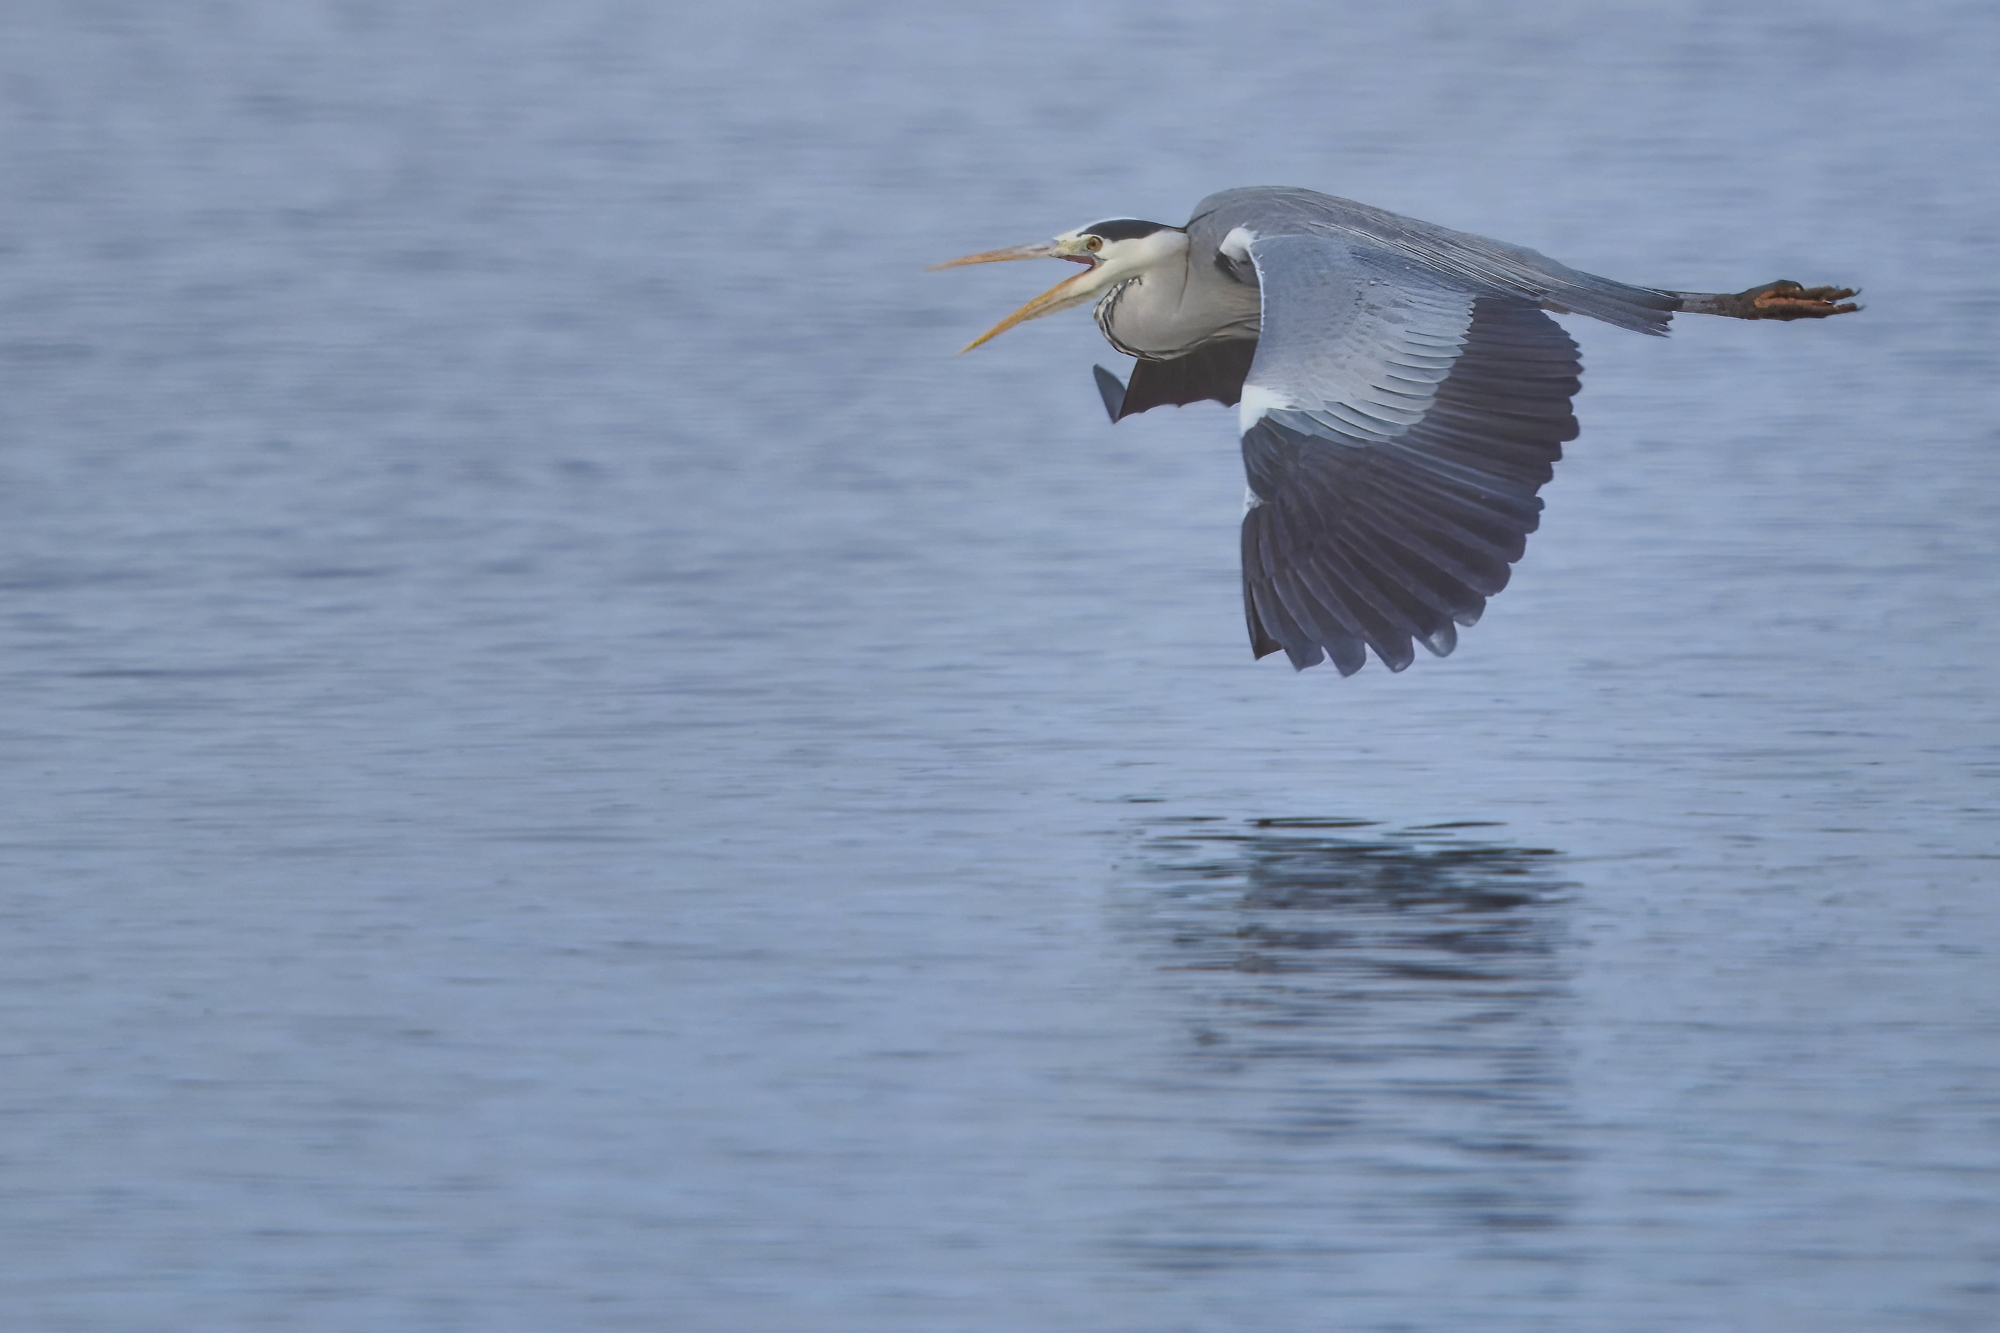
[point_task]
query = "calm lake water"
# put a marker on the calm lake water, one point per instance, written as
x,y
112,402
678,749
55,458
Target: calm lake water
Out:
x,y
568,766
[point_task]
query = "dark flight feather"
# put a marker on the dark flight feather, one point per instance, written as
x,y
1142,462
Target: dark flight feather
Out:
x,y
1213,372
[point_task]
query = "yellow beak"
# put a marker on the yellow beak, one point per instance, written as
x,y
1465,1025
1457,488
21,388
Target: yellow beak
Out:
x,y
1062,296
1000,256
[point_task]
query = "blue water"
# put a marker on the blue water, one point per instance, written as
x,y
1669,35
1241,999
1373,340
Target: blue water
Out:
x,y
568,766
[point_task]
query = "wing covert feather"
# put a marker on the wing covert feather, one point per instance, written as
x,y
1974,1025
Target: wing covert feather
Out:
x,y
1457,259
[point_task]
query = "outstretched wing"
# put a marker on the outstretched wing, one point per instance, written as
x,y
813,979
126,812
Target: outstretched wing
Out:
x,y
1396,429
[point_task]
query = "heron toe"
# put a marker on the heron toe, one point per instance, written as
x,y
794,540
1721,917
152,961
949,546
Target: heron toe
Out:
x,y
1788,300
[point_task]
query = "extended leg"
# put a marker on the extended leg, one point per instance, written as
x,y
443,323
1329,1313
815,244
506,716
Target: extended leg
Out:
x,y
1774,300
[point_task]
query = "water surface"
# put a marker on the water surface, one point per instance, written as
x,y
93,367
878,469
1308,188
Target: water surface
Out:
x,y
568,766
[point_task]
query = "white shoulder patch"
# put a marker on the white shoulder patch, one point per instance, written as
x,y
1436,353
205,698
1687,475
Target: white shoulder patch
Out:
x,y
1236,245
1256,402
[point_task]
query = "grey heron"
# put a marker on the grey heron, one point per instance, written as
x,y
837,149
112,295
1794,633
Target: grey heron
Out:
x,y
1401,395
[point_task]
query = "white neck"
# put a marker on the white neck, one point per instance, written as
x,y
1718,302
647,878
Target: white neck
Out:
x,y
1140,314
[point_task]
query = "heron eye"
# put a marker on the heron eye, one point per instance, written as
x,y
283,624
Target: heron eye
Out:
x,y
1093,243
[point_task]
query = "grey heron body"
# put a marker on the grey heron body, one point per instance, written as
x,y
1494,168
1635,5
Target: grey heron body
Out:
x,y
1402,395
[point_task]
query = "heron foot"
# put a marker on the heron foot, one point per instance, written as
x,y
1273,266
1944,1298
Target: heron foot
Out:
x,y
1782,299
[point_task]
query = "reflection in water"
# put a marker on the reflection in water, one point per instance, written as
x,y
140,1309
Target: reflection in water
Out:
x,y
1374,1044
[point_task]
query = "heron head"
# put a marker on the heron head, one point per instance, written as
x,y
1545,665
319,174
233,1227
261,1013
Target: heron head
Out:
x,y
1110,251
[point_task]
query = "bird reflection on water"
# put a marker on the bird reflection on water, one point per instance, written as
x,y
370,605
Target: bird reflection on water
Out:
x,y
1374,1033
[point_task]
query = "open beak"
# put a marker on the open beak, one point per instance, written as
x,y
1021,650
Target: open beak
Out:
x,y
1070,291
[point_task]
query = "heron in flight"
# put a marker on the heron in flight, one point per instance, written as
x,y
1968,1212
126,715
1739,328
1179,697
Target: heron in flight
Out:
x,y
1401,394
